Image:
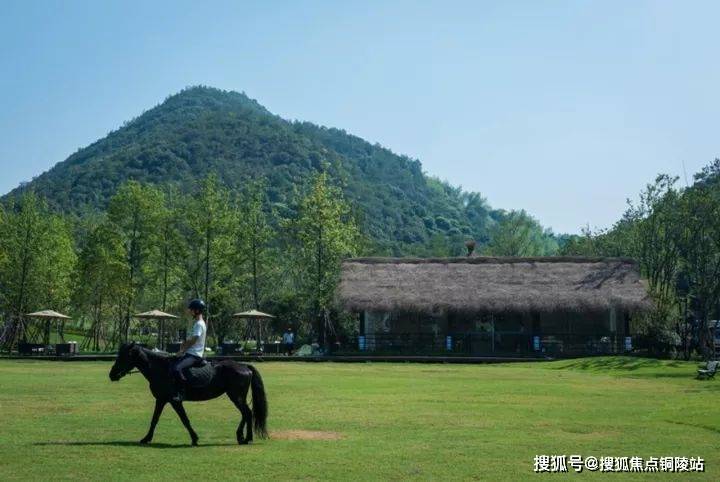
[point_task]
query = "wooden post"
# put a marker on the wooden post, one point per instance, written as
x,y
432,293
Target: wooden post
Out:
x,y
613,327
492,332
46,335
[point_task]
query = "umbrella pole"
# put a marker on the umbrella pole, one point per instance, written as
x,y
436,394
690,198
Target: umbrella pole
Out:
x,y
259,323
46,334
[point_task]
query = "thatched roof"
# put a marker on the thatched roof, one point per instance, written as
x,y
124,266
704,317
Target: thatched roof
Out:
x,y
492,284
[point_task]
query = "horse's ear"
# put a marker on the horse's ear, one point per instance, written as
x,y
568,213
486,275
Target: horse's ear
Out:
x,y
133,349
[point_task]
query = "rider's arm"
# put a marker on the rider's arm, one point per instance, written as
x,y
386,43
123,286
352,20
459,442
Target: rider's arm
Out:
x,y
188,343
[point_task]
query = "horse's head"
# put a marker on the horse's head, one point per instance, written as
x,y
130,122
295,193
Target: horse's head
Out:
x,y
125,361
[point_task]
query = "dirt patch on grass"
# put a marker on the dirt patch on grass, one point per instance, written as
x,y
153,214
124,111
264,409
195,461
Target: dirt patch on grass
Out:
x,y
306,435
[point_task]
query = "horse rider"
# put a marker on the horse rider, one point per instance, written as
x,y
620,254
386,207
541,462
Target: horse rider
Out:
x,y
192,350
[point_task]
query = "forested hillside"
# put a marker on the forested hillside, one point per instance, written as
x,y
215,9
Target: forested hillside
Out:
x,y
204,130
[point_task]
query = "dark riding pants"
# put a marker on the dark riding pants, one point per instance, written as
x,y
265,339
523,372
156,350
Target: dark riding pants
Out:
x,y
186,361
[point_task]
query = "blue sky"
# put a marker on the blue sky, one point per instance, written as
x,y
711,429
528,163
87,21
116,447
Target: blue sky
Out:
x,y
562,108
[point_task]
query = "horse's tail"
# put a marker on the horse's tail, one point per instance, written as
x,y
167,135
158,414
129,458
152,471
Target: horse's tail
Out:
x,y
259,403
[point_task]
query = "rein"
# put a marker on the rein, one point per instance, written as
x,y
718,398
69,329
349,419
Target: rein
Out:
x,y
129,372
134,369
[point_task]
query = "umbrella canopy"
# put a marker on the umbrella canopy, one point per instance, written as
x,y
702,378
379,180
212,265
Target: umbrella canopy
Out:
x,y
161,316
155,314
49,314
253,314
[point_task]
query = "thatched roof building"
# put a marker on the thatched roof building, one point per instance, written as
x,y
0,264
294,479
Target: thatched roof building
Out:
x,y
492,284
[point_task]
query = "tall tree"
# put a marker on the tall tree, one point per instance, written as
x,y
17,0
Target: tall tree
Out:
x,y
209,220
37,259
101,286
325,233
518,234
254,236
700,252
134,213
650,232
165,259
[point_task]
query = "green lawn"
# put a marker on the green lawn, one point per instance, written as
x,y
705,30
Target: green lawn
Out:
x,y
396,421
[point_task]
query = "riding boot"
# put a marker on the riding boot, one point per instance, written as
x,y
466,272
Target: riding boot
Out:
x,y
179,394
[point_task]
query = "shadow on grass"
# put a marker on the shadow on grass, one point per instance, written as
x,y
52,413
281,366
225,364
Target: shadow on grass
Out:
x,y
126,443
694,425
619,363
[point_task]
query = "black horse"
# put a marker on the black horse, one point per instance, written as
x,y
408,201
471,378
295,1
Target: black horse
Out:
x,y
230,377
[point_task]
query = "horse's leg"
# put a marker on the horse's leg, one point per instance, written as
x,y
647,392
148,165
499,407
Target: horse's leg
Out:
x,y
241,404
159,405
178,406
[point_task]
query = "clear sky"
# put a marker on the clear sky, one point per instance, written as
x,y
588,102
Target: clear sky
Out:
x,y
562,108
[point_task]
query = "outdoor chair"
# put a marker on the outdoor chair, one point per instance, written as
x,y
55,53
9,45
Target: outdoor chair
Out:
x,y
709,371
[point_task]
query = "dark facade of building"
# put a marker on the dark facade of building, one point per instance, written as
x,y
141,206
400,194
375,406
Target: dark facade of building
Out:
x,y
486,305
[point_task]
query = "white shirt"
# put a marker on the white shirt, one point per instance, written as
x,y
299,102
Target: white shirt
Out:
x,y
199,329
288,337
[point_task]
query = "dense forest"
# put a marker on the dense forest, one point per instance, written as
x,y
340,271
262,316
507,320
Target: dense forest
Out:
x,y
202,130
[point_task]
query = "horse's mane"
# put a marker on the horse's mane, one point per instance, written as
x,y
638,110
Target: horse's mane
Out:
x,y
157,355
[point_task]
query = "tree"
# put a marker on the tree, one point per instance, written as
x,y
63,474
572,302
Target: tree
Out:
x,y
518,234
37,259
477,211
102,283
650,232
134,213
254,236
165,259
700,253
207,228
325,233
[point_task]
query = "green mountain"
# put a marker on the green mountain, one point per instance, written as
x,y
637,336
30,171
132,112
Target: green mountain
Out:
x,y
202,130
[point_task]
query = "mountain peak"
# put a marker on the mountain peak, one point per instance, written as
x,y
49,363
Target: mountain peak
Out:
x,y
202,129
205,96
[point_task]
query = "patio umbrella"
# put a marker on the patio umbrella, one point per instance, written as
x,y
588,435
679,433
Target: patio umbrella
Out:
x,y
48,316
255,314
161,316
258,316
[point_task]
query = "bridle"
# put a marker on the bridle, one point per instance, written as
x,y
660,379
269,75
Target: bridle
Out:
x,y
129,371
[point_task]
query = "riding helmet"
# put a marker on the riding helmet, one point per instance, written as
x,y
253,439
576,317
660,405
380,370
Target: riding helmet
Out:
x,y
197,305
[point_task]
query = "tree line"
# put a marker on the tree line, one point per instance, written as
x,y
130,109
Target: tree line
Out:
x,y
154,247
674,233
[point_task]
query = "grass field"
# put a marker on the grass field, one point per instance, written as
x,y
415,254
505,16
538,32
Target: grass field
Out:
x,y
388,421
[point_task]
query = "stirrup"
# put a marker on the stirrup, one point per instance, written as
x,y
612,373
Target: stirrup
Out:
x,y
179,395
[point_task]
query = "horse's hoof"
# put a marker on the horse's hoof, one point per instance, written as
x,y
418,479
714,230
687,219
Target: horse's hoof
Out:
x,y
242,442
145,441
195,443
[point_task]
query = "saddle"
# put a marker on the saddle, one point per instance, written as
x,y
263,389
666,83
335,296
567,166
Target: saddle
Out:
x,y
200,375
